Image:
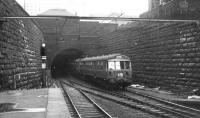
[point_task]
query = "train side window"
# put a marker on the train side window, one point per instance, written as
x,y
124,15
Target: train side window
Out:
x,y
127,65
95,63
104,65
99,65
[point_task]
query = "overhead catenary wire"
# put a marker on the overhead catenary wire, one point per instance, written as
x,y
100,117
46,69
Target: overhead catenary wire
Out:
x,y
100,18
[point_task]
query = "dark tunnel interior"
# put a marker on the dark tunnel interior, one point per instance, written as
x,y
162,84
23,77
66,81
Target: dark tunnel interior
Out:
x,y
61,65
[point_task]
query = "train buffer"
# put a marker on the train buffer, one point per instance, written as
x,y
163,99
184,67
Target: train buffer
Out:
x,y
36,103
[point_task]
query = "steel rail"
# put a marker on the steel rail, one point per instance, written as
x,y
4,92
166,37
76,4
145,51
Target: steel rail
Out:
x,y
173,111
158,99
121,102
71,101
162,109
100,18
88,98
140,107
163,101
95,104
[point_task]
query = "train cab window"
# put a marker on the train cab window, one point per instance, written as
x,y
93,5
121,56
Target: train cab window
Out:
x,y
111,65
122,65
117,64
125,64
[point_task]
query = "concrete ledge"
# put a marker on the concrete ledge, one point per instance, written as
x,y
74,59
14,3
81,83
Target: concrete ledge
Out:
x,y
57,107
31,102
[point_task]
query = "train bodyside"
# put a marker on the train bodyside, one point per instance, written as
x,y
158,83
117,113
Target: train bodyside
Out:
x,y
114,69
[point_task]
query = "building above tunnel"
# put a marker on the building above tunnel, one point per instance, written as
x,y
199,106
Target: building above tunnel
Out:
x,y
156,3
173,9
56,12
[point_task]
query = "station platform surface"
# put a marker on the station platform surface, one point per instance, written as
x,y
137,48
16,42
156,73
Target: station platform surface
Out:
x,y
35,103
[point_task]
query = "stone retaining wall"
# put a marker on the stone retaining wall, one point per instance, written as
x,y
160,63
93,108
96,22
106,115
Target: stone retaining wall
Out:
x,y
20,41
163,55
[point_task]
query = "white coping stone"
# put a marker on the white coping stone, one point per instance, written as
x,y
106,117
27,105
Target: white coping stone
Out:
x,y
57,107
194,97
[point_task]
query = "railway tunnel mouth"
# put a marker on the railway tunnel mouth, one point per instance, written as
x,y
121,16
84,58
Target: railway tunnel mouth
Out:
x,y
61,64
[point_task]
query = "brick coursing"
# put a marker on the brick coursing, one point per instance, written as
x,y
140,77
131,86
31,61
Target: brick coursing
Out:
x,y
163,54
20,41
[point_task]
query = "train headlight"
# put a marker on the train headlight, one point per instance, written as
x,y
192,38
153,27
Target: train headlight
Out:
x,y
120,74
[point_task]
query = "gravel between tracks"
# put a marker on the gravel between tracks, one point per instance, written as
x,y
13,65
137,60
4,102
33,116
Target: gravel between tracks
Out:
x,y
119,110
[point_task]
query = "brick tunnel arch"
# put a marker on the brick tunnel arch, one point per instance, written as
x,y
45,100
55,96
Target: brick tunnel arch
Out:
x,y
61,64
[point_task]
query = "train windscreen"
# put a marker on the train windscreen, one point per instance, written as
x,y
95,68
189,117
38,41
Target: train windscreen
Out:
x,y
119,65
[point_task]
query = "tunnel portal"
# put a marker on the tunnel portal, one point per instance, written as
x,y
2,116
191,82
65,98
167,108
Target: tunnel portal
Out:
x,y
61,65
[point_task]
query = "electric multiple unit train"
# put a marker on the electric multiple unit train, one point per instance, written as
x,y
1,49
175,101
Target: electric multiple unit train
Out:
x,y
113,70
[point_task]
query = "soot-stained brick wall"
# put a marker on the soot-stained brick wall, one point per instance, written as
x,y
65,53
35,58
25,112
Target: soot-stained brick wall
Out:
x,y
20,41
73,34
165,55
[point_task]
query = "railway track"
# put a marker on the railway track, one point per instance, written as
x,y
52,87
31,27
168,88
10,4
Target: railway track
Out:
x,y
81,106
168,104
151,106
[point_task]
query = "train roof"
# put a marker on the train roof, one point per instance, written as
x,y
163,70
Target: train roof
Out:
x,y
104,57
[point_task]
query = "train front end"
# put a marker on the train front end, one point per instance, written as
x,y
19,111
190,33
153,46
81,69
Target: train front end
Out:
x,y
120,71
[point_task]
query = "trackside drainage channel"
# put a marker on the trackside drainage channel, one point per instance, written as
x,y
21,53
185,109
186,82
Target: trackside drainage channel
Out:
x,y
11,107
